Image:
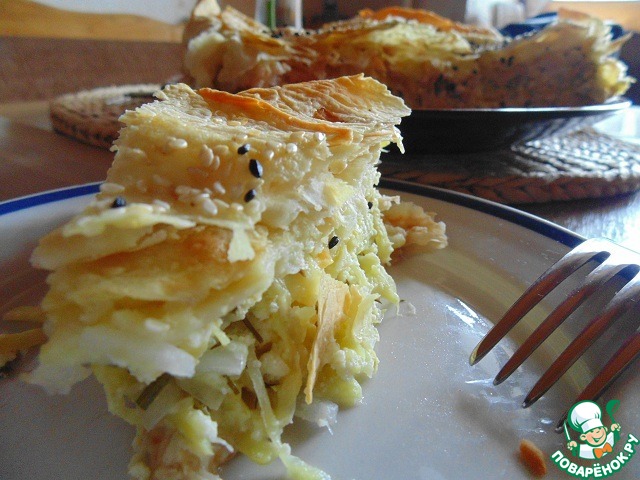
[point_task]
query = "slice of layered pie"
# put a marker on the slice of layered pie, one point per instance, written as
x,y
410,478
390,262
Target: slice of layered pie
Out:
x,y
231,271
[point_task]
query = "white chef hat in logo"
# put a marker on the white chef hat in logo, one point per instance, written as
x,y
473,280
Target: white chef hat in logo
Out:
x,y
585,416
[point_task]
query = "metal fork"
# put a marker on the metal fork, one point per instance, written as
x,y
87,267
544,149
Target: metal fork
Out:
x,y
614,260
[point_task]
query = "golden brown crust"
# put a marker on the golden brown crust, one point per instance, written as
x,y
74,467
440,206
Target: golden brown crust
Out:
x,y
259,108
430,18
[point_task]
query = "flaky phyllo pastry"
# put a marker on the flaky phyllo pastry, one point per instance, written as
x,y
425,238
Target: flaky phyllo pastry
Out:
x,y
426,59
230,273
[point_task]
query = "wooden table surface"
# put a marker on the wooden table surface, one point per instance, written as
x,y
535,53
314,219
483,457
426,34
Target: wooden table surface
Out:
x,y
25,18
33,158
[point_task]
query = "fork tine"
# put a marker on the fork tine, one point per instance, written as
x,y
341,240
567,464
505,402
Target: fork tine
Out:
x,y
598,277
619,362
564,267
623,301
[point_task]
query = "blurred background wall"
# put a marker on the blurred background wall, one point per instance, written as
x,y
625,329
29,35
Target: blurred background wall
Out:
x,y
24,21
626,13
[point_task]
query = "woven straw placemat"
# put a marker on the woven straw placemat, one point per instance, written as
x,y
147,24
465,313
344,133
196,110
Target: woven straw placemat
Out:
x,y
582,164
91,116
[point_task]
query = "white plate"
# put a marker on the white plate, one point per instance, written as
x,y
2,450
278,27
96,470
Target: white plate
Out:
x,y
426,414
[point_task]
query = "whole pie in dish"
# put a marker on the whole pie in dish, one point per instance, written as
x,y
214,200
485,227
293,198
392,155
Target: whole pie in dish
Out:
x,y
428,60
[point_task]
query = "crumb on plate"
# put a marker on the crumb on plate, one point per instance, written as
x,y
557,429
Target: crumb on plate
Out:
x,y
533,458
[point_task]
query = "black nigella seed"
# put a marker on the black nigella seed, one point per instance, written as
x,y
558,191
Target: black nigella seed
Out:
x,y
333,242
119,202
370,205
250,195
242,149
255,167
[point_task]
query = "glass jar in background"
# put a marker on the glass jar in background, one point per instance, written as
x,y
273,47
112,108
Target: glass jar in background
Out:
x,y
279,13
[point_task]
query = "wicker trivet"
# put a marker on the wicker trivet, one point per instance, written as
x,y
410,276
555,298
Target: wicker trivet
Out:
x,y
583,164
91,116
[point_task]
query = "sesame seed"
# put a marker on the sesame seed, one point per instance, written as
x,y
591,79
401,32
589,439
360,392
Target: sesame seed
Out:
x,y
333,242
84,220
218,188
101,204
109,187
292,148
252,208
158,180
177,143
255,167
269,154
206,155
137,153
208,206
242,149
198,198
119,202
250,195
155,325
297,136
220,150
161,204
142,186
319,136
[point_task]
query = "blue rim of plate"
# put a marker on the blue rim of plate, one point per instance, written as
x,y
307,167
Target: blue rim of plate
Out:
x,y
50,196
513,215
